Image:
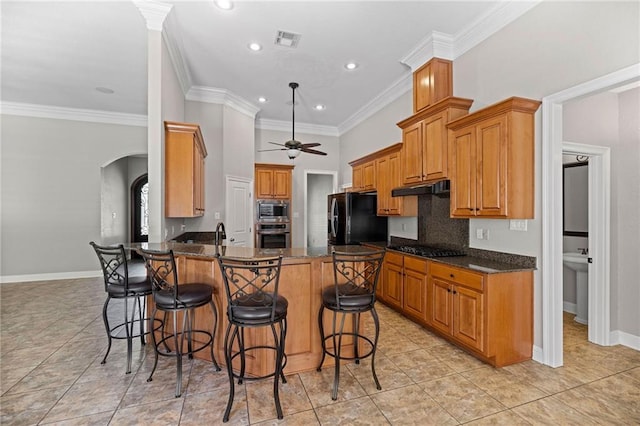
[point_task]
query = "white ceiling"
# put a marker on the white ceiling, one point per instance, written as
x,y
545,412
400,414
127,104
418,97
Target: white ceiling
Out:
x,y
57,53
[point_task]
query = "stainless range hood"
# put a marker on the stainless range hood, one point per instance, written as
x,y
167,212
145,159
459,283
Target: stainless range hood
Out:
x,y
437,188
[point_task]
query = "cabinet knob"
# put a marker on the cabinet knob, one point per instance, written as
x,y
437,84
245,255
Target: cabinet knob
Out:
x,y
455,292
448,290
452,276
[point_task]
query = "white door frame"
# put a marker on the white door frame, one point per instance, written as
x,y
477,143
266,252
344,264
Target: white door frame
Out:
x,y
552,147
227,203
334,187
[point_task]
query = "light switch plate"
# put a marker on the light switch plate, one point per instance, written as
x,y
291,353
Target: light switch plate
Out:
x,y
518,225
479,234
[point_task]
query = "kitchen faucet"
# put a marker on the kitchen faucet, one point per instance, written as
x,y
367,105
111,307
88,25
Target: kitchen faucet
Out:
x,y
220,234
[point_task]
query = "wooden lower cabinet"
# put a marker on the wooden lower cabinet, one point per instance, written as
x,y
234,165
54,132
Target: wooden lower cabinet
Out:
x,y
489,315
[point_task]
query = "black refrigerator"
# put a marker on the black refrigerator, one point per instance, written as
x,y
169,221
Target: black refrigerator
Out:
x,y
352,219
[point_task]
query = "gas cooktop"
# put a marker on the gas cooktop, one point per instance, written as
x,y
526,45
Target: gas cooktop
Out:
x,y
428,251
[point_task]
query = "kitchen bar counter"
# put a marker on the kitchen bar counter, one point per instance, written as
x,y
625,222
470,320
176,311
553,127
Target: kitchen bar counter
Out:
x,y
305,272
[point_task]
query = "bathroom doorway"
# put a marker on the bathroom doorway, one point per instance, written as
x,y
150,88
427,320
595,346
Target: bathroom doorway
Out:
x,y
553,146
317,185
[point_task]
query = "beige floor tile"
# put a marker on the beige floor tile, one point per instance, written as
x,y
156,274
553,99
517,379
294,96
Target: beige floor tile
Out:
x,y
302,418
319,385
506,418
47,376
10,376
208,408
461,398
389,375
28,408
421,366
156,413
550,411
455,358
395,344
360,411
596,406
548,379
204,378
99,419
503,386
633,373
293,398
161,388
411,405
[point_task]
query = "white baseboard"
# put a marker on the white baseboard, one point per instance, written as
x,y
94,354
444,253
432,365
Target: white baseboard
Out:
x,y
4,279
618,337
569,307
538,354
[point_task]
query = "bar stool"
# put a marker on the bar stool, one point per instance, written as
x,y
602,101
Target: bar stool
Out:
x,y
123,279
353,292
172,298
253,301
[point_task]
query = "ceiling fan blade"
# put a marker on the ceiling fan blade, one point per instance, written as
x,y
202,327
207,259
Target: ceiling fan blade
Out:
x,y
312,151
274,149
309,145
274,143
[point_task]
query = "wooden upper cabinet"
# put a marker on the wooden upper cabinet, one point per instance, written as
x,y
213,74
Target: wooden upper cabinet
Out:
x,y
492,161
432,82
273,181
389,171
424,136
364,173
185,152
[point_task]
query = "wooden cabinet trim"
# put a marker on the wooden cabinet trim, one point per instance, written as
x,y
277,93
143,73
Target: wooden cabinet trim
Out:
x,y
450,102
516,104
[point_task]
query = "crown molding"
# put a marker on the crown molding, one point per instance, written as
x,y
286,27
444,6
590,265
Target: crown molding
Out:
x,y
75,114
490,23
213,95
437,44
173,40
393,92
306,128
154,13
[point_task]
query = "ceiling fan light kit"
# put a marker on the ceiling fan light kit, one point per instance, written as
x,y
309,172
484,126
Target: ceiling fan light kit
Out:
x,y
294,147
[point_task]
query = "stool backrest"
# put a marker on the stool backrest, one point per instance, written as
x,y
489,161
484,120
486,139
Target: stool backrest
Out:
x,y
250,284
113,261
162,271
356,274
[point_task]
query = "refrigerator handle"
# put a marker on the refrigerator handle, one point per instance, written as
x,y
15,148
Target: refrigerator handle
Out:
x,y
334,217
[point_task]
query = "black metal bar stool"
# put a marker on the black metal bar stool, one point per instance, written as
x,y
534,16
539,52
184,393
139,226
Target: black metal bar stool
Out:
x,y
171,297
251,286
354,292
124,279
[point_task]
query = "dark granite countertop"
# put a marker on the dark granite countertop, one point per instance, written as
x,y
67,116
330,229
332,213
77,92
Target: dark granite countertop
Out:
x,y
211,251
472,262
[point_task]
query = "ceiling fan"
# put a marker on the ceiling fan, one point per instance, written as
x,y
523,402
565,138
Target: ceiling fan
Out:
x,y
294,147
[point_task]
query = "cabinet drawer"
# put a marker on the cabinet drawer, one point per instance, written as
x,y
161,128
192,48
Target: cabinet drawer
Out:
x,y
457,275
418,265
393,258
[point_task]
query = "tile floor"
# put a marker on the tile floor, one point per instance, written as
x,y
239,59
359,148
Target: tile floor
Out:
x,y
53,340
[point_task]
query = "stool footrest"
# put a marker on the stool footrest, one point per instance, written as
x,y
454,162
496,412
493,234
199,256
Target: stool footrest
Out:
x,y
169,338
358,336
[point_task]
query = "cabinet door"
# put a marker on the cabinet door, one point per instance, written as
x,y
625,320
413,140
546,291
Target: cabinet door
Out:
x,y
369,175
393,283
281,184
441,305
383,187
415,289
264,183
356,178
412,154
434,148
491,166
463,179
468,317
422,87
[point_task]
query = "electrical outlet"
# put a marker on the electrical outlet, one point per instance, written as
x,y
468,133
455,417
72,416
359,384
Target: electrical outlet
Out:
x,y
216,215
479,234
183,227
404,226
113,215
296,215
485,234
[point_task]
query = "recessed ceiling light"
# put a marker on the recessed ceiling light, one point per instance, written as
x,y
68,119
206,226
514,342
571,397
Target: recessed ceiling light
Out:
x,y
105,90
351,66
319,107
262,99
224,4
255,47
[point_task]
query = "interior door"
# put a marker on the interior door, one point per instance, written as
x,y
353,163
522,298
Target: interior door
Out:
x,y
239,212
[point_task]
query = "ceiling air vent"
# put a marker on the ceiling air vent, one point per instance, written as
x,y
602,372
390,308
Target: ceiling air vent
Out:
x,y
286,39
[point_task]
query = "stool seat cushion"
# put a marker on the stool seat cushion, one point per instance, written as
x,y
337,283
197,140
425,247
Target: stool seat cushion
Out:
x,y
247,309
189,296
137,286
350,297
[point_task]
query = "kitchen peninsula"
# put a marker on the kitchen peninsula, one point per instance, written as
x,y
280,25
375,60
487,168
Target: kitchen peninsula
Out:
x,y
495,325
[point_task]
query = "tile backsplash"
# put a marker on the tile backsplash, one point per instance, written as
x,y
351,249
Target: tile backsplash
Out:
x,y
435,227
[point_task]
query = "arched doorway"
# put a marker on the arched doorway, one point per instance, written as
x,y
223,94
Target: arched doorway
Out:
x,y
140,209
